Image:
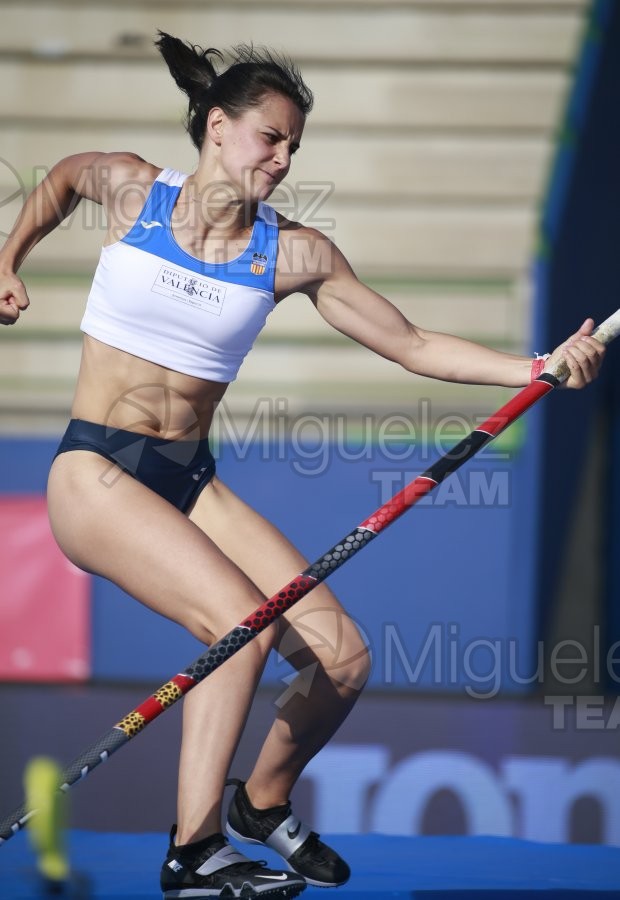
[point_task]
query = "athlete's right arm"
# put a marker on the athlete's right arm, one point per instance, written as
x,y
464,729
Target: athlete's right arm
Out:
x,y
94,176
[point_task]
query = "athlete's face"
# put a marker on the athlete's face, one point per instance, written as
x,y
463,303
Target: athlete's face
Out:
x,y
256,149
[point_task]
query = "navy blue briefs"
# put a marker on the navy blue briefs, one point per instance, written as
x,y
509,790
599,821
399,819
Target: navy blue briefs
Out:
x,y
177,470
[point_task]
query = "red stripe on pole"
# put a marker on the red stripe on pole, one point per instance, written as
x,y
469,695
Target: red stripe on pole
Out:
x,y
515,407
183,682
399,503
154,705
150,709
273,607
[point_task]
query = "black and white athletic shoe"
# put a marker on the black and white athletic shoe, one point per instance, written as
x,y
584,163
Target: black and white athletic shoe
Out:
x,y
279,829
212,868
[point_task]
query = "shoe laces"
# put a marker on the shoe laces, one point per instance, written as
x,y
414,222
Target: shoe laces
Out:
x,y
314,846
267,820
273,819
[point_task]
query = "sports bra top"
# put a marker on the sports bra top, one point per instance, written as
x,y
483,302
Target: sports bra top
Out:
x,y
151,298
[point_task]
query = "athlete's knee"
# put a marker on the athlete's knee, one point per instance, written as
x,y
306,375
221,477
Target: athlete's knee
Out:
x,y
326,641
352,670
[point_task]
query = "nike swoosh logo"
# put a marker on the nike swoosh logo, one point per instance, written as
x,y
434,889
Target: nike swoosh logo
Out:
x,y
293,834
282,877
150,224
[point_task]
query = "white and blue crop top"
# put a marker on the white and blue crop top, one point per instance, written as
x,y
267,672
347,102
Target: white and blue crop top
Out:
x,y
152,299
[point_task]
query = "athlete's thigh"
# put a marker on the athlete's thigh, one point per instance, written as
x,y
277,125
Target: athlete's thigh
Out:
x,y
108,523
317,627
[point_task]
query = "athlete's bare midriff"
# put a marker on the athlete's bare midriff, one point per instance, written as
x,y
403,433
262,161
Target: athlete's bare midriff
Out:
x,y
120,390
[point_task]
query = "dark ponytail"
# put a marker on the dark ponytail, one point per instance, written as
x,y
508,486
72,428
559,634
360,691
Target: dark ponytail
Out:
x,y
252,74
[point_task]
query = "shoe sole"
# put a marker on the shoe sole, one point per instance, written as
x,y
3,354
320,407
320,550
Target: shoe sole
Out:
x,y
229,893
247,840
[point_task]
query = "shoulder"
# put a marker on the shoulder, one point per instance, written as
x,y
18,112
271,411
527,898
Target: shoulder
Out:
x,y
306,256
123,182
307,245
120,182
122,170
99,176
105,167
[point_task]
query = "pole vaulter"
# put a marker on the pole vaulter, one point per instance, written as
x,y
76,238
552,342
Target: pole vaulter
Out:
x,y
275,606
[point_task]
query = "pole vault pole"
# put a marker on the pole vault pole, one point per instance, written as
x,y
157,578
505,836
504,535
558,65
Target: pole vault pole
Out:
x,y
291,593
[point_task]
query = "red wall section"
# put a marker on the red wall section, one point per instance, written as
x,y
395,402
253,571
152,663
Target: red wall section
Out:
x,y
44,600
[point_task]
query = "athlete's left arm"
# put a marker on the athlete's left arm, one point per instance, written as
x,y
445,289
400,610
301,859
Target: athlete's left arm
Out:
x,y
370,319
